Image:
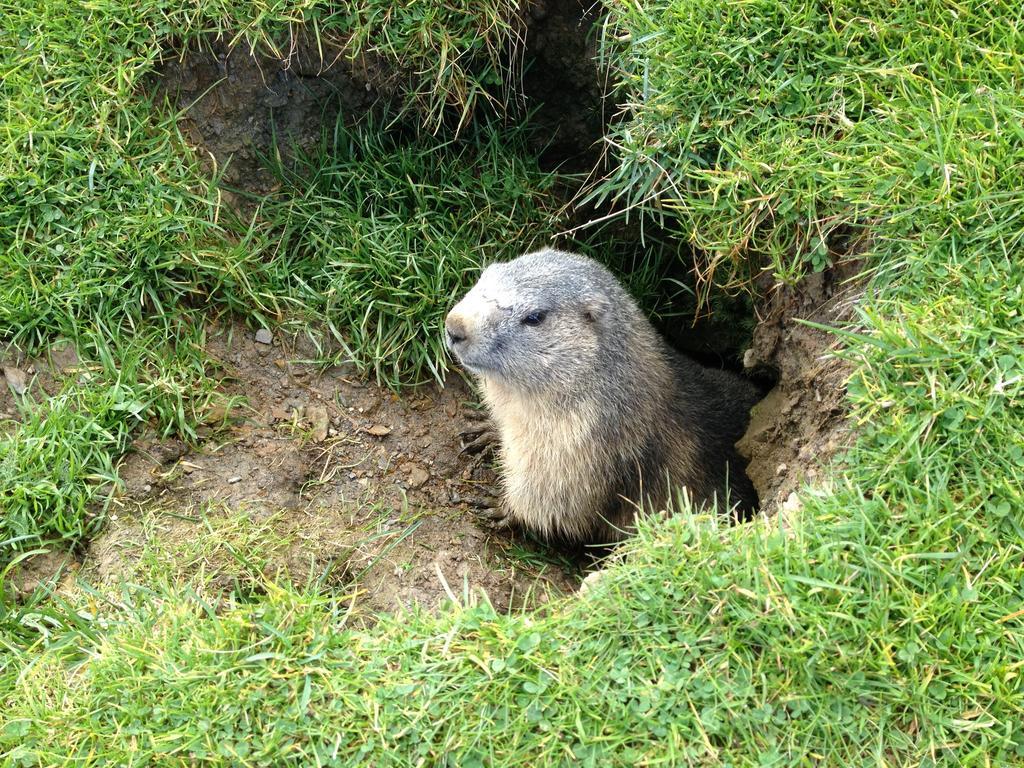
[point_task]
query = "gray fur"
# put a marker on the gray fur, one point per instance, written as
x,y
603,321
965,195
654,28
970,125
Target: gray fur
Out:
x,y
596,413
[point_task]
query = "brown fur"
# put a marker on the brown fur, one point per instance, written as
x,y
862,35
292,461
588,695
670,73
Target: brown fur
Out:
x,y
596,414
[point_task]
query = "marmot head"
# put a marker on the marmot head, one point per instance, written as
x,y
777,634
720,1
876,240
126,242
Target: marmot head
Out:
x,y
540,323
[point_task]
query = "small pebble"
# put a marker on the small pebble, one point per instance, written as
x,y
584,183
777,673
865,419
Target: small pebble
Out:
x,y
233,480
264,336
592,580
317,418
418,477
17,379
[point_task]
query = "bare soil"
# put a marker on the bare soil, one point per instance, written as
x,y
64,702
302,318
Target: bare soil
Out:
x,y
39,376
240,105
364,484
800,425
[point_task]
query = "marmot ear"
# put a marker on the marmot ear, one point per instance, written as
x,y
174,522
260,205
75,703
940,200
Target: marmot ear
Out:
x,y
594,307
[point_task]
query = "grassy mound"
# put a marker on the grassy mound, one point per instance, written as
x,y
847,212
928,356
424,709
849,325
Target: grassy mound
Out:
x,y
885,627
770,134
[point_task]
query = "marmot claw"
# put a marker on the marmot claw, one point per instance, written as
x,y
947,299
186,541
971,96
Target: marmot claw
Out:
x,y
496,518
478,442
489,511
479,437
486,503
469,413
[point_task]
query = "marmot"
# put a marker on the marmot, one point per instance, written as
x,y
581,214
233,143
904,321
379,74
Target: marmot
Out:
x,y
594,411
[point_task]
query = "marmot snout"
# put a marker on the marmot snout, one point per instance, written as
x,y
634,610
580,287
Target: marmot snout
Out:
x,y
595,412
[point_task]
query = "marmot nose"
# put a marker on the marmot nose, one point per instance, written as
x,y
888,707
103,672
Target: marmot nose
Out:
x,y
456,328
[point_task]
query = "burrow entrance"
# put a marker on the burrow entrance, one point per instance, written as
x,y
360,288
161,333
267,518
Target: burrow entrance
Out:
x,y
343,481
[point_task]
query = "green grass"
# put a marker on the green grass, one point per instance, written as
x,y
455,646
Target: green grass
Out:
x,y
769,134
377,233
824,644
104,217
885,627
210,552
58,461
458,59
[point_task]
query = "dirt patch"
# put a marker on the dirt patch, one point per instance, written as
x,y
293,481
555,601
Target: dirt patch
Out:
x,y
363,484
36,377
801,423
52,570
349,483
237,105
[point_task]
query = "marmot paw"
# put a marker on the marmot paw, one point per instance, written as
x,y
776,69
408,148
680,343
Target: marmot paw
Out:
x,y
469,413
479,437
490,512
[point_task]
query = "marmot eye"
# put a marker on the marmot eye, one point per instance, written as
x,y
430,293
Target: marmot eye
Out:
x,y
534,318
